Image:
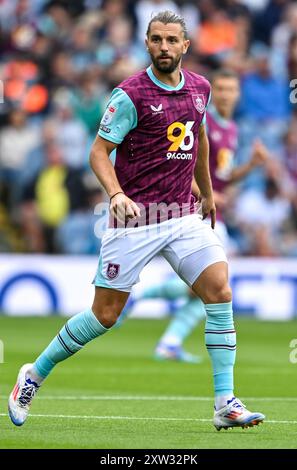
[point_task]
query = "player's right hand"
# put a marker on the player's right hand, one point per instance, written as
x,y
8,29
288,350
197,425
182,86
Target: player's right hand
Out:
x,y
123,208
209,208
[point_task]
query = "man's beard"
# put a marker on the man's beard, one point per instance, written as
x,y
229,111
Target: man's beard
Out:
x,y
166,67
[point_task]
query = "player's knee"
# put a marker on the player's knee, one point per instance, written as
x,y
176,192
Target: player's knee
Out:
x,y
107,316
221,294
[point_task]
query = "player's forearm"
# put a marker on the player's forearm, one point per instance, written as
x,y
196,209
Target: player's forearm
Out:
x,y
202,175
195,190
103,169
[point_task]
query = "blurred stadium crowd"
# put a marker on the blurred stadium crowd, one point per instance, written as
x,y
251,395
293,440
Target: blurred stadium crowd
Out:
x,y
59,62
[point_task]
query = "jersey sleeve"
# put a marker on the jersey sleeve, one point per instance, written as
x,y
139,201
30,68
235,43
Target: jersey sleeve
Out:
x,y
120,117
203,122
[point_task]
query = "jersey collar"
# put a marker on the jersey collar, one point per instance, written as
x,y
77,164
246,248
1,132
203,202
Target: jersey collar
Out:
x,y
160,84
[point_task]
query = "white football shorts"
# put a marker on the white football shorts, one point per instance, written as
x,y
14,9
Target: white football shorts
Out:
x,y
188,244
222,233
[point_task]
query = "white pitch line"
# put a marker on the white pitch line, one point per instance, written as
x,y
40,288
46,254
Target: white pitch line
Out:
x,y
153,398
124,398
137,418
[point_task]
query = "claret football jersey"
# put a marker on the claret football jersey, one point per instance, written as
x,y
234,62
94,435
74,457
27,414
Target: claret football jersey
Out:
x,y
156,127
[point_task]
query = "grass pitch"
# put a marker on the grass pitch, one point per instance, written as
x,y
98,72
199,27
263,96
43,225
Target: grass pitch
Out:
x,y
114,395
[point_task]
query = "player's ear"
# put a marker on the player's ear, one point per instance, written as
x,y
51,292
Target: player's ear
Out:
x,y
146,44
186,45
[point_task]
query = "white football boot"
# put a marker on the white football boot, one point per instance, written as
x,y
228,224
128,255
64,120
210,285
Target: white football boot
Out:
x,y
235,414
21,397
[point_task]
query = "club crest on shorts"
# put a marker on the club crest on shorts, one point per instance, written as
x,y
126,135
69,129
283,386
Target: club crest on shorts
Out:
x,y
113,270
198,100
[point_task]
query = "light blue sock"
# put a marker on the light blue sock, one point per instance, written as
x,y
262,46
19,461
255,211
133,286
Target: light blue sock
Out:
x,y
220,340
172,289
184,321
77,332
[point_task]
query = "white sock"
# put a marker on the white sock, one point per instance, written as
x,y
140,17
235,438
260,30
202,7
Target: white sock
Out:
x,y
32,374
221,400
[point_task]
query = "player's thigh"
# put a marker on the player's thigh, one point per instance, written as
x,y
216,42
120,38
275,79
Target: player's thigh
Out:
x,y
212,285
194,249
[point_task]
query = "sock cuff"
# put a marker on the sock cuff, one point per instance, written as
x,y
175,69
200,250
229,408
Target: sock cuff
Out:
x,y
95,323
219,317
225,307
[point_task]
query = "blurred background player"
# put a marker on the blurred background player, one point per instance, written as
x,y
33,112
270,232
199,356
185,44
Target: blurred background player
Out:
x,y
222,135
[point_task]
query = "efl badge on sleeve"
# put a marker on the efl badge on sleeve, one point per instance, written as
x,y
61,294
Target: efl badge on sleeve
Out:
x,y
113,270
199,103
108,115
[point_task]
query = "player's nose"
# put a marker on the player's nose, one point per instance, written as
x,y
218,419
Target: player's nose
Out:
x,y
164,46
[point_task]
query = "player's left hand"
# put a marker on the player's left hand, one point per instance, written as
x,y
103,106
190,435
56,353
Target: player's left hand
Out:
x,y
260,154
209,208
